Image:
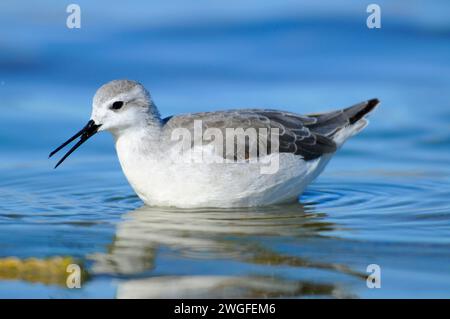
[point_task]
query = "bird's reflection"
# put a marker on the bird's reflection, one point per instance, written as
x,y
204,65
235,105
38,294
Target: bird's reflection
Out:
x,y
235,234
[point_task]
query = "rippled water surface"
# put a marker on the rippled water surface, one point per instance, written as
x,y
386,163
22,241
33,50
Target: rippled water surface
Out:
x,y
384,199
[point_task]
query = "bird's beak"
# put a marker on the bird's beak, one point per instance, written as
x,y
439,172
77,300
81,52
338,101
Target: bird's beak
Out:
x,y
86,132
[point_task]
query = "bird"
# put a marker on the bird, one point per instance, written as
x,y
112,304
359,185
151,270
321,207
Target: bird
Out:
x,y
231,170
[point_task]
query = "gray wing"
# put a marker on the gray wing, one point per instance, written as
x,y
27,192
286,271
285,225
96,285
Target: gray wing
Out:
x,y
294,135
308,136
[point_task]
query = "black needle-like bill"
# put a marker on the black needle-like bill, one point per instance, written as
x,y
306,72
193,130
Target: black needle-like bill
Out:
x,y
85,133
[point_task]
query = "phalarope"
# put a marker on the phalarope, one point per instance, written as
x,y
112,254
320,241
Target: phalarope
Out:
x,y
160,177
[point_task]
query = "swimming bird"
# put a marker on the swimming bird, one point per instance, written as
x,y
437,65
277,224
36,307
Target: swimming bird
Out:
x,y
163,173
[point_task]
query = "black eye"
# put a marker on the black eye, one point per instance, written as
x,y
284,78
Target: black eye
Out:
x,y
116,105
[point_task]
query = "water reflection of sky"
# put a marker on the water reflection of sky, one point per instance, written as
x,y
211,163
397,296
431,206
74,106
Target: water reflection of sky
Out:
x,y
385,192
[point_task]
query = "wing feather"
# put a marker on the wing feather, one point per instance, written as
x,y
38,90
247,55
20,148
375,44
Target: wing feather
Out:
x,y
309,136
294,135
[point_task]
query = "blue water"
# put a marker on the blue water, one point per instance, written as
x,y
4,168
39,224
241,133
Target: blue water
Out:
x,y
384,199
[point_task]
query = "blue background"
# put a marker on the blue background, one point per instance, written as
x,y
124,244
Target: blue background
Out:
x,y
383,199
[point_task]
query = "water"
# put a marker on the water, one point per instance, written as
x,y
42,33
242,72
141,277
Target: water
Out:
x,y
384,198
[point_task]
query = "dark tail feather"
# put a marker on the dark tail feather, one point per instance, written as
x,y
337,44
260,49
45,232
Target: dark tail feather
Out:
x,y
357,112
330,123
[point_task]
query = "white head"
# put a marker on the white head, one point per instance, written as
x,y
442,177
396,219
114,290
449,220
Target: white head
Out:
x,y
122,104
118,106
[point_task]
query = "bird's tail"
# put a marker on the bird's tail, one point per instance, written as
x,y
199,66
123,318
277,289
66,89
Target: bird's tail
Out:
x,y
342,124
359,111
357,120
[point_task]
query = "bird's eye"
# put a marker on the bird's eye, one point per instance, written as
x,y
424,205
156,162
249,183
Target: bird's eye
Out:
x,y
117,105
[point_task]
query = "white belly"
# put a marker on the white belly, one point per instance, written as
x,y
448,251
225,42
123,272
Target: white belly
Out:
x,y
162,181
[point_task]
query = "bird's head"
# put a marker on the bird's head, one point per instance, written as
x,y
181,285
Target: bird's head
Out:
x,y
117,106
121,104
